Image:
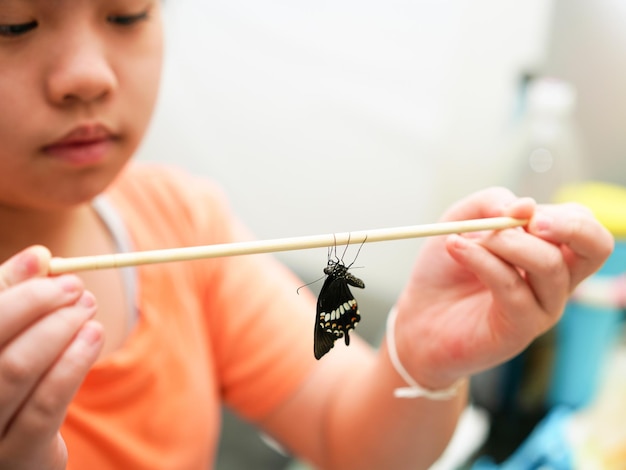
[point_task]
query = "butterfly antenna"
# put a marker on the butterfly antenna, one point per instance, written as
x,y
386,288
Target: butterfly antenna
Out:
x,y
330,249
335,249
346,248
358,251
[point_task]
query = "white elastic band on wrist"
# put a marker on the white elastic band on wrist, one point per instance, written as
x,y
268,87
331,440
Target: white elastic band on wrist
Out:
x,y
414,390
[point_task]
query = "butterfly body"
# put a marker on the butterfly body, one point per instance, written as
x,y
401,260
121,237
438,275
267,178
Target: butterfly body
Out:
x,y
337,309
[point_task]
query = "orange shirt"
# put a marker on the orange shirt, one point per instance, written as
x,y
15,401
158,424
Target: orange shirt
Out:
x,y
224,330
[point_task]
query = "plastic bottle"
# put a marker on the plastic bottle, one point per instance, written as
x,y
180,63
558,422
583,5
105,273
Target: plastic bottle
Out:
x,y
550,148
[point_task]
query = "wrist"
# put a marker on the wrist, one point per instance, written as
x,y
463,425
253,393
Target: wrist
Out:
x,y
440,390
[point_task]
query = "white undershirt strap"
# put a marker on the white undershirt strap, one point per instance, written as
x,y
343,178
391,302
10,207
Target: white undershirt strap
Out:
x,y
116,227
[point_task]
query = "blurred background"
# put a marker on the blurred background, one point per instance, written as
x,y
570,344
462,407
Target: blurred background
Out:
x,y
331,116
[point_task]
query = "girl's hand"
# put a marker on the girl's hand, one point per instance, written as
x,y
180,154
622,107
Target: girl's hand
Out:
x,y
476,300
48,342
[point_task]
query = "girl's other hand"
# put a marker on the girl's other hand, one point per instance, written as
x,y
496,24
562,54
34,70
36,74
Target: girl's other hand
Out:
x,y
48,342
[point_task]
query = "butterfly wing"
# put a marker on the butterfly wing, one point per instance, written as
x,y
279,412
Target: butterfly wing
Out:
x,y
337,310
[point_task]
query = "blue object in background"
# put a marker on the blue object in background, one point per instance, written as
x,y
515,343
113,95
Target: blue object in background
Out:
x,y
584,338
616,263
546,448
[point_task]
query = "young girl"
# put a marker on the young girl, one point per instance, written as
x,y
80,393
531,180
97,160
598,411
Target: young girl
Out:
x,y
78,83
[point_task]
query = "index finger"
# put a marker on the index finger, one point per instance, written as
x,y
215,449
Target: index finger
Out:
x,y
586,244
31,262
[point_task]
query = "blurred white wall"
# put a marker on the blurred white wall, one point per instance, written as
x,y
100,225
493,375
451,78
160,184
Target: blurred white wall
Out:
x,y
330,116
588,48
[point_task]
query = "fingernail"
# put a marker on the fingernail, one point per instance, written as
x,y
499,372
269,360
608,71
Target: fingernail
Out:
x,y
69,283
90,333
459,242
87,300
31,262
542,223
476,235
26,265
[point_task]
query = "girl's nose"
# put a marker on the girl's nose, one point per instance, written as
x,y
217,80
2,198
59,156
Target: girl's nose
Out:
x,y
81,72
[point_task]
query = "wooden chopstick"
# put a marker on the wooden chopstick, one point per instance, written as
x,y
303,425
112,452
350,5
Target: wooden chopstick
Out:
x,y
120,260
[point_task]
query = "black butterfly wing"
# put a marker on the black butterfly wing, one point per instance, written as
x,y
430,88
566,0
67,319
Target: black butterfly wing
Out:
x,y
324,338
337,310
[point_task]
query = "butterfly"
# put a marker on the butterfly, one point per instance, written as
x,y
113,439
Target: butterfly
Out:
x,y
337,309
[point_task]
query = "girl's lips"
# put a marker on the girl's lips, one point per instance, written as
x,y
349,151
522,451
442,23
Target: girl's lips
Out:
x,y
83,146
81,153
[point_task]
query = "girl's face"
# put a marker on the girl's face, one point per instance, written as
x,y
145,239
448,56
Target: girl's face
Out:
x,y
78,83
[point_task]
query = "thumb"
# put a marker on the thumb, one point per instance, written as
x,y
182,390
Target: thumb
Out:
x,y
31,262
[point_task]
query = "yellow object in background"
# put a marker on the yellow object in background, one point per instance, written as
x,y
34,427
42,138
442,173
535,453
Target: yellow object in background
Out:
x,y
606,201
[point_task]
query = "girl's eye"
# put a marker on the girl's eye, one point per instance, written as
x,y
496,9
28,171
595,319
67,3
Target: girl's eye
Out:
x,y
127,20
12,30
